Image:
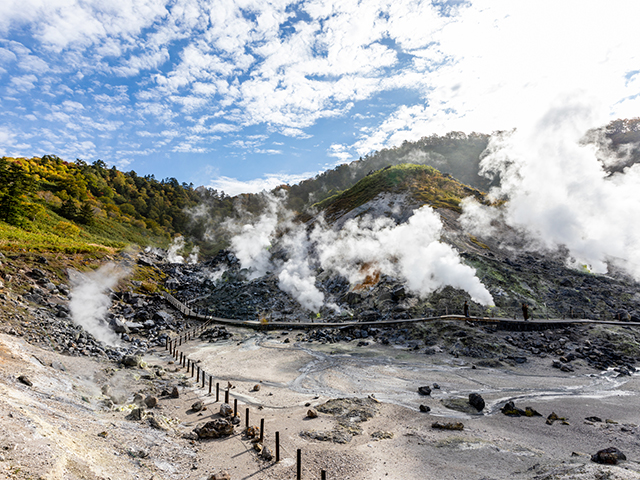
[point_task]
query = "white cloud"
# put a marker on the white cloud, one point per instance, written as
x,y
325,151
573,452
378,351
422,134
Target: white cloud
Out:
x,y
233,186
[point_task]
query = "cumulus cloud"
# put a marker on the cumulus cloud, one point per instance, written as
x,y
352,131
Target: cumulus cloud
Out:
x,y
233,186
292,67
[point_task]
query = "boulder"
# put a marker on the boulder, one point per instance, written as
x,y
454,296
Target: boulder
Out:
x,y
425,409
476,401
24,379
608,456
175,393
256,388
132,360
217,428
150,401
197,406
266,453
425,390
226,410
312,413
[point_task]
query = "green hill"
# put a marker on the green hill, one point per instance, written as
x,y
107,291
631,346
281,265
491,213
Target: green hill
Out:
x,y
47,204
424,185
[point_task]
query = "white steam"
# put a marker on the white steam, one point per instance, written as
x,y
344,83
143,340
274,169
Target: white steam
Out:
x,y
559,195
410,252
176,246
253,240
296,276
90,300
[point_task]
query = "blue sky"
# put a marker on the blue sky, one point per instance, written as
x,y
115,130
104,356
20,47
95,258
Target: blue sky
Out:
x,y
243,95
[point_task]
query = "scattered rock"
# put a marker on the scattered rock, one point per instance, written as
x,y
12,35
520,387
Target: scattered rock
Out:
x,y
136,414
555,418
312,413
24,379
132,360
175,393
382,435
425,409
256,388
608,456
252,432
226,410
223,475
425,390
198,406
217,428
150,401
266,453
447,426
476,401
594,419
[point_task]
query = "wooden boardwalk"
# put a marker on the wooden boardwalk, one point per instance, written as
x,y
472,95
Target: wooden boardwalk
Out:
x,y
499,322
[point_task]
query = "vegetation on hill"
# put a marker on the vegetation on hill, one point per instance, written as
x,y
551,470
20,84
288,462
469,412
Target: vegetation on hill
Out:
x,y
455,153
424,185
49,204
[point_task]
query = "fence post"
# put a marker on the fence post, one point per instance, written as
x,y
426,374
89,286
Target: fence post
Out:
x,y
299,465
277,444
261,430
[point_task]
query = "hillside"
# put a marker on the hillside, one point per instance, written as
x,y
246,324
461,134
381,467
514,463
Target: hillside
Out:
x,y
47,204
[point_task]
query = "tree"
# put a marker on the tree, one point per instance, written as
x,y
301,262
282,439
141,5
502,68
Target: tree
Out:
x,y
14,183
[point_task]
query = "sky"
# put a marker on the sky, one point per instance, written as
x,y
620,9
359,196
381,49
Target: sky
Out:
x,y
243,95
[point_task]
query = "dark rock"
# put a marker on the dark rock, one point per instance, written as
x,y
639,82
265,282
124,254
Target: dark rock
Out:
x,y
425,390
266,453
476,401
608,456
24,379
448,425
197,406
136,414
511,410
223,475
312,413
150,401
132,360
226,410
425,409
217,428
594,419
175,393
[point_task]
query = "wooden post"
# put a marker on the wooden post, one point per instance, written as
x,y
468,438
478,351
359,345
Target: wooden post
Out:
x,y
235,407
226,396
261,430
299,469
203,378
210,383
323,475
217,391
277,445
247,417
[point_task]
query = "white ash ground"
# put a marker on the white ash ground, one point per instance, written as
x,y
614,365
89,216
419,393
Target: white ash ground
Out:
x,y
56,428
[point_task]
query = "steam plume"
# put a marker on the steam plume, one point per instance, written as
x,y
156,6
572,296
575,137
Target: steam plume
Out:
x,y
90,300
410,251
559,193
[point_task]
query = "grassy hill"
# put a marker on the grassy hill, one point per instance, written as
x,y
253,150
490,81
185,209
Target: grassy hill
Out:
x,y
47,204
425,185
